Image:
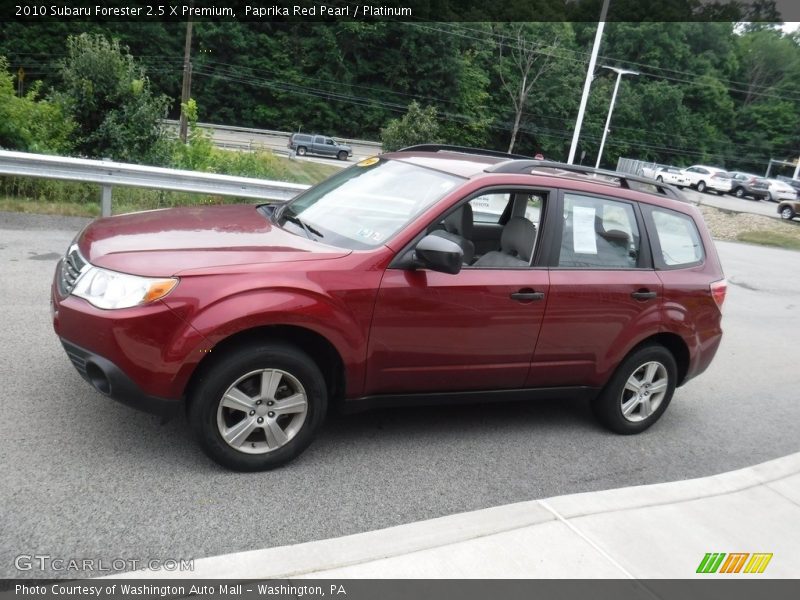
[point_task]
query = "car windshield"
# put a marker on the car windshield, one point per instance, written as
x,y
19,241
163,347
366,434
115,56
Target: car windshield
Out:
x,y
365,205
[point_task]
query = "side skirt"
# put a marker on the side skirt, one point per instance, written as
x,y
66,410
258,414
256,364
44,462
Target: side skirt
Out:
x,y
365,403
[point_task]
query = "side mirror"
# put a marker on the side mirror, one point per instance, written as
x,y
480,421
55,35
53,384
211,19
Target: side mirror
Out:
x,y
439,254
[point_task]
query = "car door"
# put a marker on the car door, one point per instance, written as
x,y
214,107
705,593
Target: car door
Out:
x,y
436,332
319,145
604,294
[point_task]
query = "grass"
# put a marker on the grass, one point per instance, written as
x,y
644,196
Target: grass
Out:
x,y
51,197
770,238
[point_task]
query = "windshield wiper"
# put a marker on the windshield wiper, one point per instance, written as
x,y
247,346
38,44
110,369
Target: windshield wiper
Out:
x,y
309,231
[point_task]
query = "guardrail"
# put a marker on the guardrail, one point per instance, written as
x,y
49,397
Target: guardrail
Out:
x,y
270,132
109,173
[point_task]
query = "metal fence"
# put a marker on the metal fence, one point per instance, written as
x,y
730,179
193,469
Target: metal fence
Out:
x,y
107,174
638,167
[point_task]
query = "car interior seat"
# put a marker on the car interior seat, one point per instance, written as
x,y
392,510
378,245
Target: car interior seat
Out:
x,y
516,245
458,227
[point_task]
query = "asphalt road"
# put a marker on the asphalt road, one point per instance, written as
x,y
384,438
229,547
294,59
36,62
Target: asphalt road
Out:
x,y
729,202
85,477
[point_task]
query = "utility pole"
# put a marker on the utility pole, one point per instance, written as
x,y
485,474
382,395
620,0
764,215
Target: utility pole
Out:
x,y
186,88
620,73
588,83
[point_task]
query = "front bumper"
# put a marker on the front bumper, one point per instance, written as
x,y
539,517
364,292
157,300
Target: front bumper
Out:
x,y
108,379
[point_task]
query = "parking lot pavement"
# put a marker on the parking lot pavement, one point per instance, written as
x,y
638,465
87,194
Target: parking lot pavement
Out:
x,y
660,531
85,477
728,202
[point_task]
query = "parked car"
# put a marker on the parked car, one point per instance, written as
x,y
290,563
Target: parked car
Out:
x,y
721,182
672,175
747,184
789,209
303,143
377,287
795,183
780,190
700,177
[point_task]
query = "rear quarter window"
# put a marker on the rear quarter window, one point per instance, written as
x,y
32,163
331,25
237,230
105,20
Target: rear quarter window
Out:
x,y
679,242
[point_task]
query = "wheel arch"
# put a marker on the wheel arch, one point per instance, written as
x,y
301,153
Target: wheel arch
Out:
x,y
318,347
677,347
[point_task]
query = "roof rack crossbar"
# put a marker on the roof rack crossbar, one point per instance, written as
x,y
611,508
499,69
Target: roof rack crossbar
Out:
x,y
523,166
462,150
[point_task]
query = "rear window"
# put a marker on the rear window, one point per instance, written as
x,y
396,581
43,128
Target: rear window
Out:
x,y
678,238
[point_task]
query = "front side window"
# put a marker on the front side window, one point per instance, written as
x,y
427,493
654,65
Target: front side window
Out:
x,y
598,233
678,238
363,206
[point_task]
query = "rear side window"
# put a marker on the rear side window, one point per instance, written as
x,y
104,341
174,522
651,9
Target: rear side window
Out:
x,y
598,233
678,238
489,207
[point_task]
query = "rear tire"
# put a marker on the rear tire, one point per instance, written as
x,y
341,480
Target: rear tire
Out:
x,y
787,213
701,186
639,391
301,151
258,407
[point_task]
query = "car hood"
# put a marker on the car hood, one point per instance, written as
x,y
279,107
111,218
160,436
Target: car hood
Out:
x,y
165,242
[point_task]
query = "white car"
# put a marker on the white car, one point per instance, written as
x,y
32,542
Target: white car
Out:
x,y
702,177
672,175
780,190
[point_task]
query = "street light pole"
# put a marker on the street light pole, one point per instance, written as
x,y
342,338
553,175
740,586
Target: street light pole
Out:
x,y
620,73
587,84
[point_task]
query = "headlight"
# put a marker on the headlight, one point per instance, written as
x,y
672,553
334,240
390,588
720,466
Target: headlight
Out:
x,y
109,289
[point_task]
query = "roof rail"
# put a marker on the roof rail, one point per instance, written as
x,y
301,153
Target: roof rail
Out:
x,y
525,166
461,149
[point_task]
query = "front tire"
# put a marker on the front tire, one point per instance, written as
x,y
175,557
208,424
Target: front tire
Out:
x,y
258,407
639,391
342,155
739,192
787,213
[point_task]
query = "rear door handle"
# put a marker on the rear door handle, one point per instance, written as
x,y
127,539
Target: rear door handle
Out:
x,y
643,295
527,296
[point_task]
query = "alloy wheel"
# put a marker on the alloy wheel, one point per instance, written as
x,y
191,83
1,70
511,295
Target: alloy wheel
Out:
x,y
262,411
644,391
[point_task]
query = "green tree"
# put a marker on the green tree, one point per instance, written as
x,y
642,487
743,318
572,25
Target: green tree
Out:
x,y
109,97
417,126
28,123
196,153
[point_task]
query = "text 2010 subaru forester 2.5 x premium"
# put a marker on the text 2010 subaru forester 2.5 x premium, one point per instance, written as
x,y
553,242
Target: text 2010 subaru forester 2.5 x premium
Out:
x,y
426,275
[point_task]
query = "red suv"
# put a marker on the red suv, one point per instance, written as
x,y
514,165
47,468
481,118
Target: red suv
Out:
x,y
427,275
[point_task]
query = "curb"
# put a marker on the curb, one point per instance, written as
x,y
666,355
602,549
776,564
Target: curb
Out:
x,y
316,557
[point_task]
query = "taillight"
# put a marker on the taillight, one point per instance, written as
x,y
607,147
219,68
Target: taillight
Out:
x,y
718,291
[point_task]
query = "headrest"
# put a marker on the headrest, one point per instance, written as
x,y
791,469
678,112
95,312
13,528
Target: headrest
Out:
x,y
518,238
460,222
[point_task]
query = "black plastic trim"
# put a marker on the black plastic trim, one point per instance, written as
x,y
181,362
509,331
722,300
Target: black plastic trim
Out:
x,y
526,166
469,397
120,387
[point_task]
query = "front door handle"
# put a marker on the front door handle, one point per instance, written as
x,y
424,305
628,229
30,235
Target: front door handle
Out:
x,y
527,296
643,295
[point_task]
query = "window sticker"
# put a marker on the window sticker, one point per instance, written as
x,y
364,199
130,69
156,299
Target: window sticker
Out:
x,y
583,234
